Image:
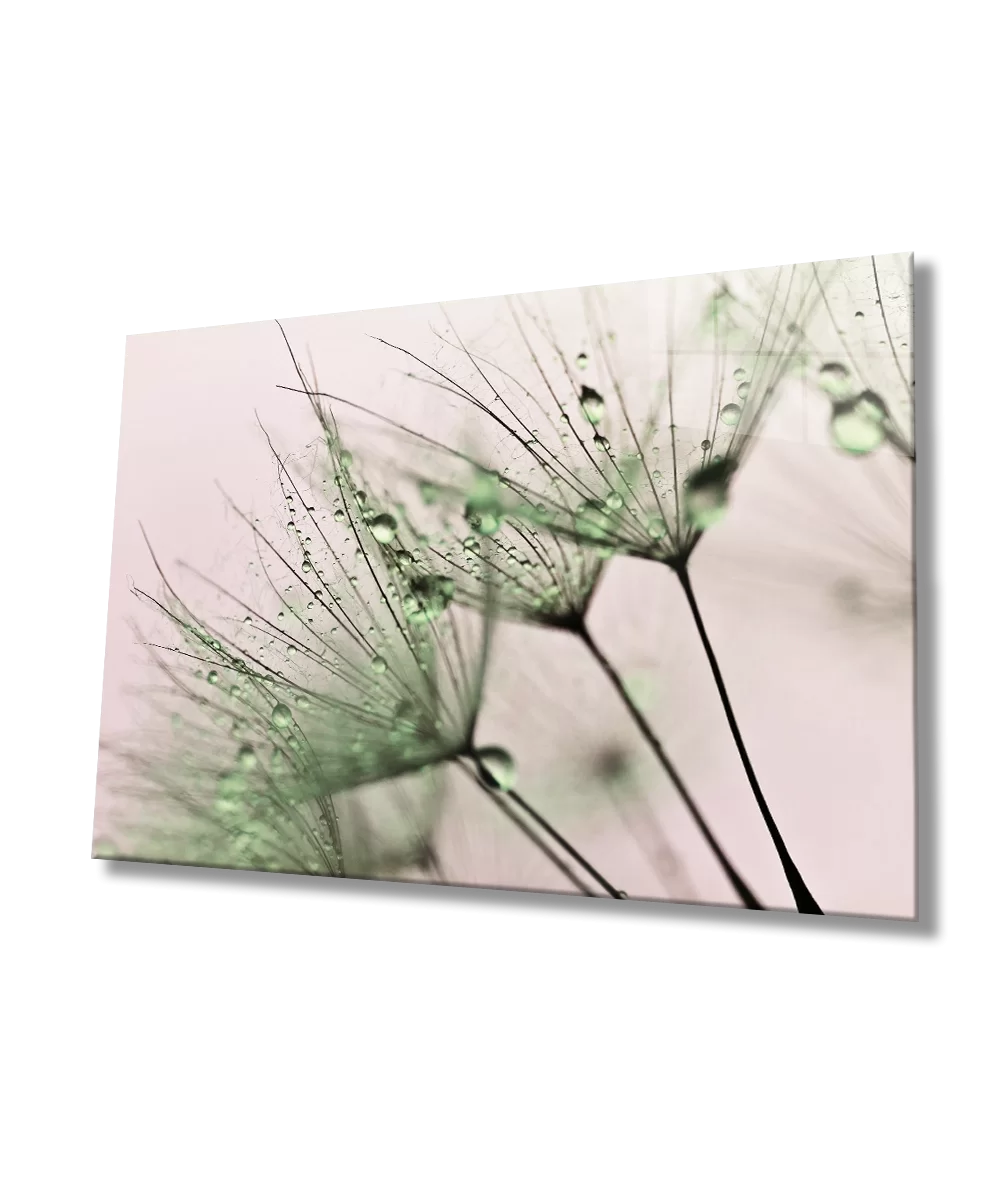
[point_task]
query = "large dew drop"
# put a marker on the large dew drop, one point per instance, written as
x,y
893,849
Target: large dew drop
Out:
x,y
858,426
730,414
706,494
383,528
281,716
496,768
835,380
592,403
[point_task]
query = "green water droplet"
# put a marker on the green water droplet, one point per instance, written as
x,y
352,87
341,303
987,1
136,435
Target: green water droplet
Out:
x,y
484,522
338,514
743,391
306,566
614,501
428,598
246,757
706,493
706,445
383,528
281,716
730,414
496,768
657,528
213,677
601,442
835,379
592,403
858,426
582,360
379,665
483,510
470,543
361,497
347,458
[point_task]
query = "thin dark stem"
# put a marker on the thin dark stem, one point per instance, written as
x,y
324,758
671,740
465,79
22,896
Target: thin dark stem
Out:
x,y
803,897
734,877
555,835
499,799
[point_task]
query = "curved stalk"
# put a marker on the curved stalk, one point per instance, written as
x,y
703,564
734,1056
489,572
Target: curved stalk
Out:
x,y
804,900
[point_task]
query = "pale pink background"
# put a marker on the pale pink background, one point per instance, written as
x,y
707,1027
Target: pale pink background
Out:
x,y
824,694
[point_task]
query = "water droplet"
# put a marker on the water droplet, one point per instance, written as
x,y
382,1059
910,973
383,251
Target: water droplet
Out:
x,y
657,528
379,665
859,315
306,566
582,360
739,374
858,426
706,493
246,757
213,677
730,414
338,514
346,457
361,497
281,716
743,391
706,445
835,379
427,599
614,501
592,403
496,768
383,528
470,543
